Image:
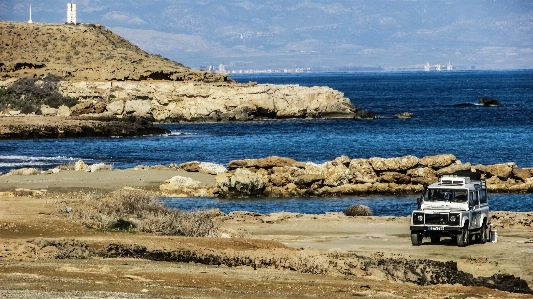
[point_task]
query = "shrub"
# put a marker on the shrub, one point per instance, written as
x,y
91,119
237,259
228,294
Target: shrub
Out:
x,y
358,210
28,94
134,210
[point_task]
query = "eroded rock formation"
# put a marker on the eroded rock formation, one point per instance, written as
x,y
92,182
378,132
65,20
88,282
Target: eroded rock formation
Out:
x,y
284,177
177,101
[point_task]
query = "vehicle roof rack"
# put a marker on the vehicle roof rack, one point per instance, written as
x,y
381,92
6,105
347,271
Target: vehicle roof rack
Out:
x,y
474,176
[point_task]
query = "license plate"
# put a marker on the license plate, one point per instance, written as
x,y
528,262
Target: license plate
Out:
x,y
435,228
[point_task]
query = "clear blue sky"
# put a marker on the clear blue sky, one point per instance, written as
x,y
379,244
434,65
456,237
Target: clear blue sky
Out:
x,y
311,33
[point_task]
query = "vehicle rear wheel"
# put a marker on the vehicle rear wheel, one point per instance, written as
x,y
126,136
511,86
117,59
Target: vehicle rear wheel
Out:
x,y
416,239
435,239
463,237
483,234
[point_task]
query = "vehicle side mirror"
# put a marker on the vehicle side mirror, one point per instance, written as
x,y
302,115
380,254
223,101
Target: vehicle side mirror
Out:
x,y
419,201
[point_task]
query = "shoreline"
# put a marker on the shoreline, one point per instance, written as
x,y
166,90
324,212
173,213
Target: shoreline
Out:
x,y
273,177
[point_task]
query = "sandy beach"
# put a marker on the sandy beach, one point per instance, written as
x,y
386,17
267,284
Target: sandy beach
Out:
x,y
43,250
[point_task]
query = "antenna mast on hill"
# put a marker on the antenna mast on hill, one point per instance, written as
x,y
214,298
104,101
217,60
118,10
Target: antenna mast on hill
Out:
x,y
30,21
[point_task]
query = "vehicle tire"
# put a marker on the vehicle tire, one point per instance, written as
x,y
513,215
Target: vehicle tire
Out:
x,y
483,234
463,237
416,239
435,239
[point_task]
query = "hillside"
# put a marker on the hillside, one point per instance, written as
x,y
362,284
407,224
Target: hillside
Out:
x,y
84,53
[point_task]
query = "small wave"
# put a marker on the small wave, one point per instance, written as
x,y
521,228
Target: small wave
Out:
x,y
32,158
15,161
178,133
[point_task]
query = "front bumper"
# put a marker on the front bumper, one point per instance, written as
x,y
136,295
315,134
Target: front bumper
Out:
x,y
438,229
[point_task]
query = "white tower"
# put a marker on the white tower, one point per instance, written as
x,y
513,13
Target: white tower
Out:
x,y
71,13
30,21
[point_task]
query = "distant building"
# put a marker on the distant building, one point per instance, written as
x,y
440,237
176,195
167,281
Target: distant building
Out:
x,y
71,13
449,66
221,68
427,67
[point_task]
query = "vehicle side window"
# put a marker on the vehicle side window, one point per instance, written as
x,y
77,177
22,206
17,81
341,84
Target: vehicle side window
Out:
x,y
473,199
483,196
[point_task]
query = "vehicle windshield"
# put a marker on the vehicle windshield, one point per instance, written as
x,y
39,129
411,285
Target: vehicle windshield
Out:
x,y
454,195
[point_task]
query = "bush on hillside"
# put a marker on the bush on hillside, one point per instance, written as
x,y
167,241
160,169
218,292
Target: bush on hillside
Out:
x,y
28,94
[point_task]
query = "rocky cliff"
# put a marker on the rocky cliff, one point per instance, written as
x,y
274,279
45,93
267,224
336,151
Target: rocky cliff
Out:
x,y
177,101
112,77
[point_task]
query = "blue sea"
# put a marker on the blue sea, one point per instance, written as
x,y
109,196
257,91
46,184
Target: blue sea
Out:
x,y
446,119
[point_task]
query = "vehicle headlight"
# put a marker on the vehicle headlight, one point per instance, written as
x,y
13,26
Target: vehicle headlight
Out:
x,y
418,218
455,219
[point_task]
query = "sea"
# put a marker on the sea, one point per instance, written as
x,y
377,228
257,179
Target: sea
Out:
x,y
446,119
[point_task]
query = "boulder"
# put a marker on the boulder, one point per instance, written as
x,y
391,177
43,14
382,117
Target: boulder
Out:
x,y
267,163
336,174
438,161
99,166
115,108
362,171
48,111
423,175
141,108
87,107
243,112
358,210
347,189
63,111
523,174
404,115
395,177
241,183
180,185
211,168
80,166
192,166
394,164
454,168
488,101
502,171
308,180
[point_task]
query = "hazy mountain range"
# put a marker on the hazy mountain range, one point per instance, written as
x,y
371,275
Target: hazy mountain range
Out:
x,y
311,33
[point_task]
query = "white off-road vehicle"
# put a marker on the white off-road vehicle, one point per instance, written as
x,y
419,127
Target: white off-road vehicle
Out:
x,y
456,206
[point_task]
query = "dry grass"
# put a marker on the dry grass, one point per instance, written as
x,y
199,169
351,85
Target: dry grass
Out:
x,y
140,211
24,171
358,210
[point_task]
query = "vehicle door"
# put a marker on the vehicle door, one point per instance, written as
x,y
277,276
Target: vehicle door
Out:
x,y
475,210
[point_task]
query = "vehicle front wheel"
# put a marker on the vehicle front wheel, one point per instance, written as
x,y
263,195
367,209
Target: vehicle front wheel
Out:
x,y
463,237
416,239
483,234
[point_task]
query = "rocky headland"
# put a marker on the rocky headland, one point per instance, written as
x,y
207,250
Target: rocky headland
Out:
x,y
111,77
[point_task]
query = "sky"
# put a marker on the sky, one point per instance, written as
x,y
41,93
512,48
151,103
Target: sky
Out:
x,y
317,34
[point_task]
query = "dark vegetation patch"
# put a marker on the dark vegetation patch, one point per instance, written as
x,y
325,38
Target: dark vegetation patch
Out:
x,y
28,94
